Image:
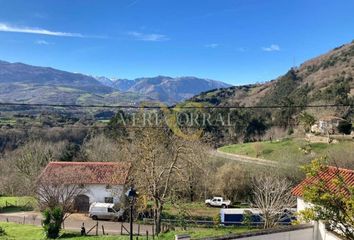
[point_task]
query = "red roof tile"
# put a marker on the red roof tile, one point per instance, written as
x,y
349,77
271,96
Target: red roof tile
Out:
x,y
327,176
114,173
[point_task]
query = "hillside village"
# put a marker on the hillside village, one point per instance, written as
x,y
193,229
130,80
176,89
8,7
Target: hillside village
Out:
x,y
91,164
161,151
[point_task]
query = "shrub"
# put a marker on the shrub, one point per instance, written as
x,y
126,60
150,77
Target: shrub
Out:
x,y
290,131
217,220
2,232
52,222
247,218
344,127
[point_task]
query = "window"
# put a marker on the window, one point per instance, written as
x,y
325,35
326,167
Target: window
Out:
x,y
108,200
110,210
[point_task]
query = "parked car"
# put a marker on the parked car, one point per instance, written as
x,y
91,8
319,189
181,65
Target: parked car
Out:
x,y
105,211
218,202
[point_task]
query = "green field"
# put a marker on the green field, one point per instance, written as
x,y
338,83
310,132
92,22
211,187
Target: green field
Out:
x,y
29,232
7,121
14,204
196,210
294,148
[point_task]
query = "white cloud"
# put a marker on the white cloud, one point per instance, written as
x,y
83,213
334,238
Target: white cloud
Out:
x,y
42,42
8,28
212,45
271,48
132,3
148,37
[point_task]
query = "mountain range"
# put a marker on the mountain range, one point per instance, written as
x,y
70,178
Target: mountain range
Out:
x,y
327,78
163,88
31,84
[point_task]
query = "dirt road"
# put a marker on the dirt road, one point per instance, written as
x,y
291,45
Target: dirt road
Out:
x,y
244,159
74,223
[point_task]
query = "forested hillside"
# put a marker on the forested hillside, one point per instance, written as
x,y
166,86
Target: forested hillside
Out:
x,y
324,80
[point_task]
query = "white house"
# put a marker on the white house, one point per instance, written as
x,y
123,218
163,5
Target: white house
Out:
x,y
327,177
327,125
99,181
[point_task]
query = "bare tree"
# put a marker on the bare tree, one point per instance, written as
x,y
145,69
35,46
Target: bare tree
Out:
x,y
232,181
54,191
160,162
101,149
272,196
31,158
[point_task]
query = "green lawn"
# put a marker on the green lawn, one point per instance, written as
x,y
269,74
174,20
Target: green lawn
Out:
x,y
16,231
194,210
7,121
13,204
294,148
29,232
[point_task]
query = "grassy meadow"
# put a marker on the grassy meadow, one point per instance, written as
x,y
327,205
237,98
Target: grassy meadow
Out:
x,y
294,148
16,231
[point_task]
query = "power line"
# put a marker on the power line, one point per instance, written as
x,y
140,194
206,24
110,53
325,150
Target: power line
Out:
x,y
9,104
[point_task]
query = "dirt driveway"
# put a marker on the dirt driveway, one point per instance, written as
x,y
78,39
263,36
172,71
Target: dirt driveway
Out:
x,y
74,223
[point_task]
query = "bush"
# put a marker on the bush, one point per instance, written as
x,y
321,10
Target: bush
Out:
x,y
217,220
247,218
52,222
344,127
290,131
2,232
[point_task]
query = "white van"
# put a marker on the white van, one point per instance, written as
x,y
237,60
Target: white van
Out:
x,y
105,211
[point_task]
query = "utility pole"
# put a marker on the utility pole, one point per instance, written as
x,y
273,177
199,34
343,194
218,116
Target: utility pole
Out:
x,y
131,194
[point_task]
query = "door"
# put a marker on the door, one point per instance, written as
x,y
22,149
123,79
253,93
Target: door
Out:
x,y
82,203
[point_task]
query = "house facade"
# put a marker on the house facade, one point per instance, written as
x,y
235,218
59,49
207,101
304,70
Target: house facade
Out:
x,y
327,177
97,181
326,125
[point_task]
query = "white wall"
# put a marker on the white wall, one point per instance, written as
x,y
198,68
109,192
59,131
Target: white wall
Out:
x,y
97,192
303,234
302,205
320,232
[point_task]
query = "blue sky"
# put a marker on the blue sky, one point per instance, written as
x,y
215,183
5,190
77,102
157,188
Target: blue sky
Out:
x,y
236,41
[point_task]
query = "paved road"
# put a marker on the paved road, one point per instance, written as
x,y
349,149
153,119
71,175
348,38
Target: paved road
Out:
x,y
74,222
244,159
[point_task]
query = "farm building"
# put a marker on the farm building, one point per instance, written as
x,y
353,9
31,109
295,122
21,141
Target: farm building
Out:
x,y
326,125
99,181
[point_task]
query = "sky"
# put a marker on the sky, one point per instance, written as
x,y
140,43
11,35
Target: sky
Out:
x,y
235,41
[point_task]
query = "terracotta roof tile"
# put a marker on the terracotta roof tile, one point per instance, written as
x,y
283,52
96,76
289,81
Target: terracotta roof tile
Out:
x,y
114,173
326,176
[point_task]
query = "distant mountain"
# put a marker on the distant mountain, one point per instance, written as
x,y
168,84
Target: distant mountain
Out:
x,y
106,81
165,89
19,73
31,84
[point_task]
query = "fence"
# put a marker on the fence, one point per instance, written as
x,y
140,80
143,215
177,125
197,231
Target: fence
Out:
x,y
143,232
171,223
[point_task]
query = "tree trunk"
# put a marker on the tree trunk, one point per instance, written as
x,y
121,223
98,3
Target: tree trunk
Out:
x,y
191,190
157,216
